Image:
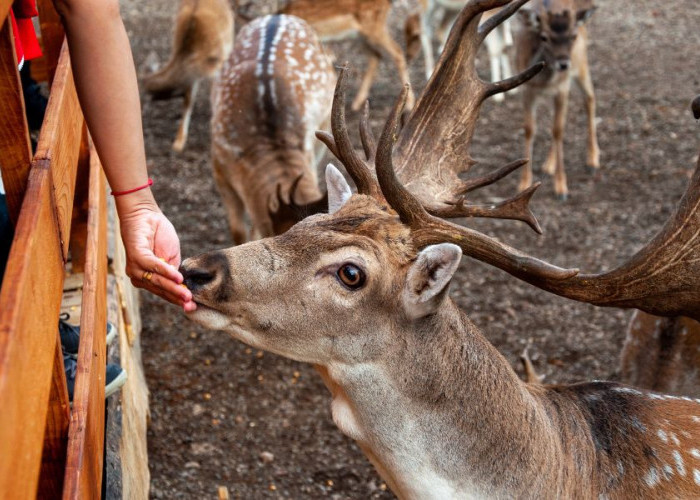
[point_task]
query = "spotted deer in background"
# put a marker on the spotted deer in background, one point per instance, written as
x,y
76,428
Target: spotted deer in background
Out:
x,y
367,19
554,32
273,93
202,41
362,293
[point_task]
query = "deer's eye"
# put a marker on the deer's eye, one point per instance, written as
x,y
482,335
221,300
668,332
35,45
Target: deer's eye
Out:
x,y
351,276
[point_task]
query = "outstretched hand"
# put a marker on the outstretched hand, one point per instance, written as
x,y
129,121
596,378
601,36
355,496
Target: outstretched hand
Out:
x,y
153,255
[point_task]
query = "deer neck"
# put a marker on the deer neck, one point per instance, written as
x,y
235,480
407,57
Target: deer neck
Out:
x,y
442,395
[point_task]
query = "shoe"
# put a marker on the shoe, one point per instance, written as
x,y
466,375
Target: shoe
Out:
x,y
70,335
115,376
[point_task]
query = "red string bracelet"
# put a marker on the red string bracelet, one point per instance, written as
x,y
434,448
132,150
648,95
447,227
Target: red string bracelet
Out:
x,y
129,191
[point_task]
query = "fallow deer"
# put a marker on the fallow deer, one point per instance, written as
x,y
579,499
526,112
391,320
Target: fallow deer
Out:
x,y
341,19
202,41
441,14
554,32
271,96
437,410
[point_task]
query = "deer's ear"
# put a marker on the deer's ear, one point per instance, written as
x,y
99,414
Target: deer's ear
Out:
x,y
428,279
584,15
529,18
338,189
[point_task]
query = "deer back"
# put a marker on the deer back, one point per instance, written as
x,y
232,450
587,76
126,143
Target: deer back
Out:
x,y
272,94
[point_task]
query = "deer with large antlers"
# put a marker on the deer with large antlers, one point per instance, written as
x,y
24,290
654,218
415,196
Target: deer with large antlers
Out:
x,y
554,31
202,41
272,95
341,19
436,409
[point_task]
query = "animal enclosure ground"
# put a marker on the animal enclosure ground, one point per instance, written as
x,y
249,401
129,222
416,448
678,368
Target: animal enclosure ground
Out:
x,y
217,405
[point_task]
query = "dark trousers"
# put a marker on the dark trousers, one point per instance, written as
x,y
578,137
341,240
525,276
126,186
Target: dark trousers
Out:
x,y
6,234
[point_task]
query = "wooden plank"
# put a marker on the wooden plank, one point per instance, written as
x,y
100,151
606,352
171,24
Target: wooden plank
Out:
x,y
31,297
15,147
4,9
53,460
59,142
83,477
52,35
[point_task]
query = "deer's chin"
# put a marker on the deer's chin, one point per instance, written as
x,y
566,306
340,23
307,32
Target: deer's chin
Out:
x,y
208,317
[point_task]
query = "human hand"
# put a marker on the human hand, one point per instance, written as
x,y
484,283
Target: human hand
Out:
x,y
153,253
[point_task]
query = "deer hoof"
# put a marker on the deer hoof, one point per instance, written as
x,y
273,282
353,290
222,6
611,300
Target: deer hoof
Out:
x,y
592,170
562,196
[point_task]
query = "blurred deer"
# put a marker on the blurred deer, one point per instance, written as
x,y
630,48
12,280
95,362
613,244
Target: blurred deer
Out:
x,y
554,32
341,19
443,13
202,41
362,293
273,93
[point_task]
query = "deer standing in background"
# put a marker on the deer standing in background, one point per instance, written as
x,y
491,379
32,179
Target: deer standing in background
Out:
x,y
553,31
202,41
434,406
271,96
341,19
443,13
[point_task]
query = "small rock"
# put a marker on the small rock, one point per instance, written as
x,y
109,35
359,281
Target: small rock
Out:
x,y
197,409
192,465
266,457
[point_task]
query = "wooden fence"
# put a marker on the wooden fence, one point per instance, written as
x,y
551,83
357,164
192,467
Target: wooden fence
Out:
x,y
57,201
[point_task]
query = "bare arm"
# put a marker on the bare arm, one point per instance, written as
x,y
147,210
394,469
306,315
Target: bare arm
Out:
x,y
105,80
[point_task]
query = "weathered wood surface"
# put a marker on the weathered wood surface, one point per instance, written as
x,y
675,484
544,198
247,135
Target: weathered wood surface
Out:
x,y
83,477
59,144
30,294
4,9
52,35
79,226
15,147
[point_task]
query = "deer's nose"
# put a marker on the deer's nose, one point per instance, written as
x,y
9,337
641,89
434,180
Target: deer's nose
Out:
x,y
563,64
196,278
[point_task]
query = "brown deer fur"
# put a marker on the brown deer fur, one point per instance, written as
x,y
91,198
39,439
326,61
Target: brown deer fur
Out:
x,y
339,19
662,354
553,31
202,41
272,94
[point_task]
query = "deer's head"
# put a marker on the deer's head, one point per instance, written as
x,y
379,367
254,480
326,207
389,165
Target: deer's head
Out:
x,y
356,268
555,25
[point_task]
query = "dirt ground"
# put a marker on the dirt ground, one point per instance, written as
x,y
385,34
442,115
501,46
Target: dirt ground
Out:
x,y
217,405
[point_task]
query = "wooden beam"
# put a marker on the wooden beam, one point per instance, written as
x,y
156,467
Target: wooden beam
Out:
x,y
59,144
83,477
4,9
52,35
15,147
78,232
31,298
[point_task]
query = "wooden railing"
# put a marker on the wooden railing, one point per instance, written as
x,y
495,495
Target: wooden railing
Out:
x,y
47,448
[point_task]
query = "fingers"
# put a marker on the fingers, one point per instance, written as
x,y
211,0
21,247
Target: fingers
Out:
x,y
153,280
160,266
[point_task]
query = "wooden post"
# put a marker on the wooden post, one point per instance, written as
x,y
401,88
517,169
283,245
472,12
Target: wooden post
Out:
x,y
15,147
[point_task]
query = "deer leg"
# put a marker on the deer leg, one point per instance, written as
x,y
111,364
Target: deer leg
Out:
x,y
235,210
181,137
367,80
561,103
426,40
530,129
396,53
586,84
493,46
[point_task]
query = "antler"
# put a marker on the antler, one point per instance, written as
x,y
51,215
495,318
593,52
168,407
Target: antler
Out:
x,y
433,148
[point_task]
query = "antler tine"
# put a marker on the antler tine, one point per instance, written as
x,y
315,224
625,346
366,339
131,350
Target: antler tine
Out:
x,y
479,182
515,208
514,81
502,15
358,170
327,139
366,136
401,200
